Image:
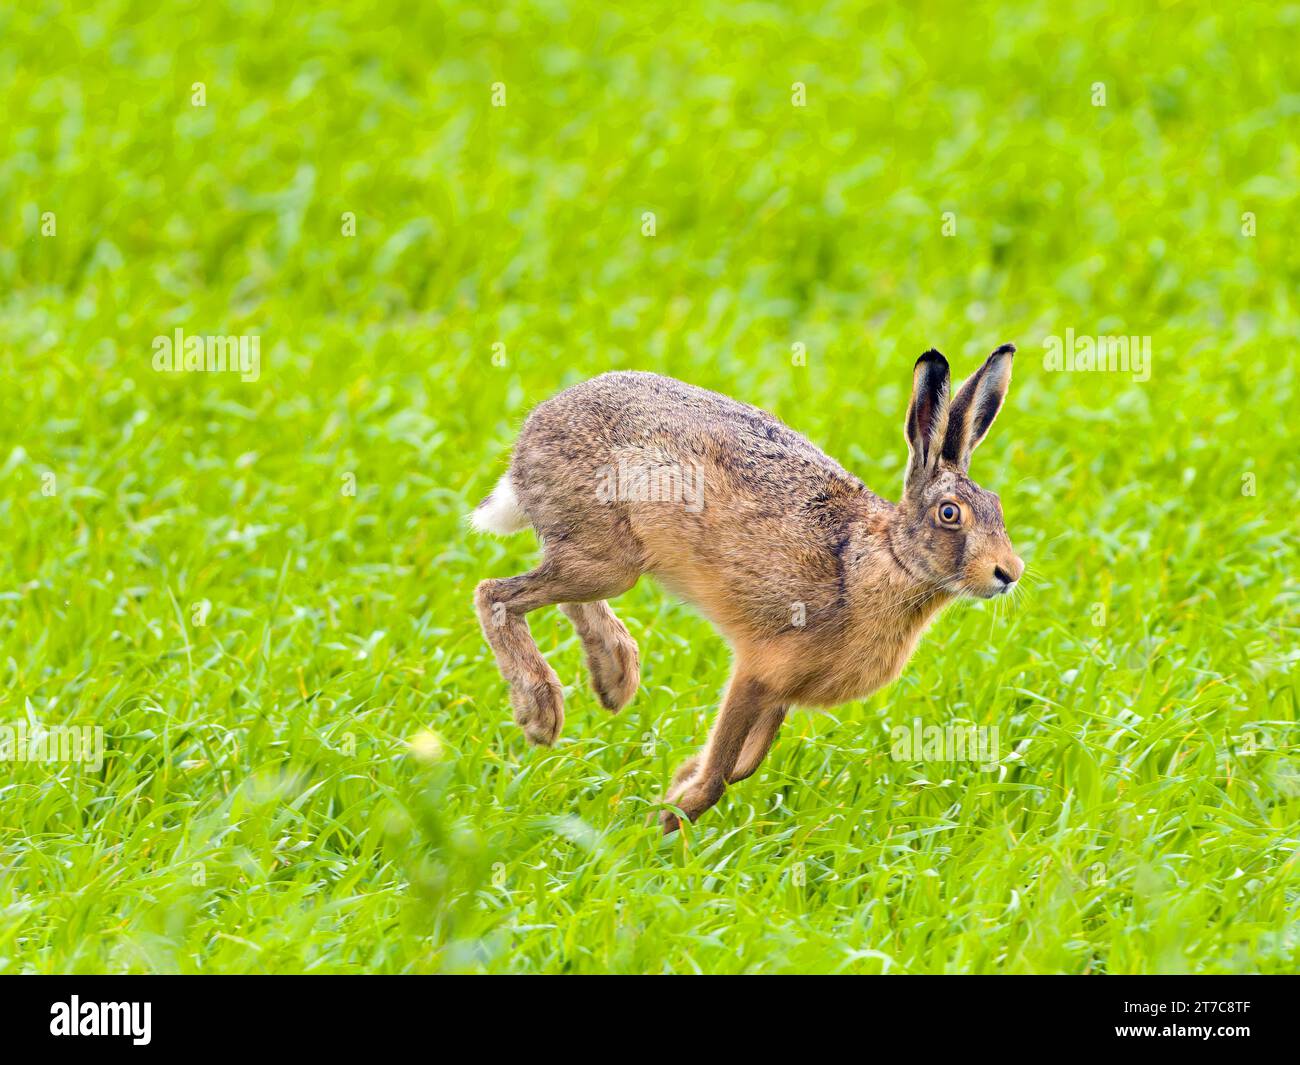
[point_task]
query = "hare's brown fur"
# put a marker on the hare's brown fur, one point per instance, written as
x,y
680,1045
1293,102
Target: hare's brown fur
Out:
x,y
821,587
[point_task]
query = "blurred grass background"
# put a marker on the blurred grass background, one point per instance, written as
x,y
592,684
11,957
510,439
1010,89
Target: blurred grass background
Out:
x,y
261,807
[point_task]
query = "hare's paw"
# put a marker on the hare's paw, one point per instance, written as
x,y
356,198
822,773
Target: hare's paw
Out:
x,y
682,779
539,707
615,668
693,797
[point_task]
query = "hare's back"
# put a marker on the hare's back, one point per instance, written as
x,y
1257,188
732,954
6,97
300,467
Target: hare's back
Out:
x,y
626,413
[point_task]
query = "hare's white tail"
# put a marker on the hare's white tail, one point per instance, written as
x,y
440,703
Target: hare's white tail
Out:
x,y
500,512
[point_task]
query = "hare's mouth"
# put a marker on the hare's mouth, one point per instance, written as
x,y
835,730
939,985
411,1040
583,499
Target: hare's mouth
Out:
x,y
990,591
989,584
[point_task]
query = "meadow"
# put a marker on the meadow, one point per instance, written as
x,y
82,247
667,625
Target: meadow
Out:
x,y
260,589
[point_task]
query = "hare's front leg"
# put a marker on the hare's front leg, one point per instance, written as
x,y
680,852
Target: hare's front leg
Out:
x,y
747,724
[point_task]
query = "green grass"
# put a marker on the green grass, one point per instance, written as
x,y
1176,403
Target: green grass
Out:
x,y
260,807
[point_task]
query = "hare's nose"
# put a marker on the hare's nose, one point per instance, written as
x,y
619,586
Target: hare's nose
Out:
x,y
1010,571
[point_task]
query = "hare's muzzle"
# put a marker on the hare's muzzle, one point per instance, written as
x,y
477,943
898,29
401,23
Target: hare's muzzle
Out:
x,y
1005,574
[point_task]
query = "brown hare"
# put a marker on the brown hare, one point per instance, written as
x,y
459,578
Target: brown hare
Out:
x,y
821,587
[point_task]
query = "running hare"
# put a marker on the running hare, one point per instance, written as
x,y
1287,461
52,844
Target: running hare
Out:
x,y
821,587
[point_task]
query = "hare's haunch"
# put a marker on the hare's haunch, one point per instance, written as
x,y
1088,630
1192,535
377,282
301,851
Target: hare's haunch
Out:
x,y
821,587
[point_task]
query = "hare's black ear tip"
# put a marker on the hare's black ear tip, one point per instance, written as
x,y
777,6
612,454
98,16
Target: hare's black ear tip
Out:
x,y
933,356
1005,349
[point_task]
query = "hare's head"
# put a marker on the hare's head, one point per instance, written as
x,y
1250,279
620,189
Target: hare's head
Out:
x,y
947,530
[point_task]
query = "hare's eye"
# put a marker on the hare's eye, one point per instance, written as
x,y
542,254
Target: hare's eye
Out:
x,y
949,513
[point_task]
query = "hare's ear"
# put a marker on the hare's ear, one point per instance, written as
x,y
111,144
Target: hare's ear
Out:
x,y
976,405
927,417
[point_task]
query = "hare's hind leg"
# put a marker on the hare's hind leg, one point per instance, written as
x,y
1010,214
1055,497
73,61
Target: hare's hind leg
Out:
x,y
746,726
535,691
612,657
